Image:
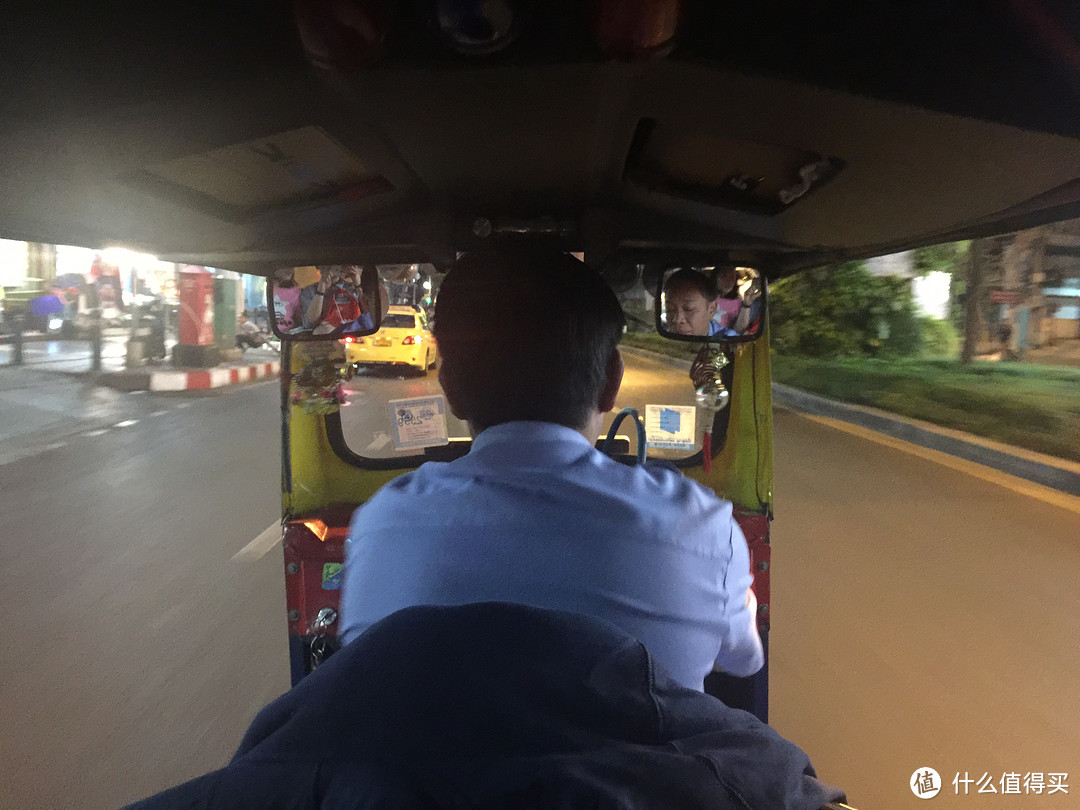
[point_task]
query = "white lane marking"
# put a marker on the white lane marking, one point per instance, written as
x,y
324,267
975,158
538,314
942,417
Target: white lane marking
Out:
x,y
96,432
258,547
159,413
127,423
1021,486
53,446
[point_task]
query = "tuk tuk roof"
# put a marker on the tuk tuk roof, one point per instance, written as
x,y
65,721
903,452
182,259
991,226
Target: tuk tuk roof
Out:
x,y
791,135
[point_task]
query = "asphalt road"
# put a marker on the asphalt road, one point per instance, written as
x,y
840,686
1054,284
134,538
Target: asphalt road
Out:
x,y
135,650
921,616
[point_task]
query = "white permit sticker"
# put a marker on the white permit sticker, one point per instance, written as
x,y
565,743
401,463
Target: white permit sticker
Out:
x,y
418,422
670,427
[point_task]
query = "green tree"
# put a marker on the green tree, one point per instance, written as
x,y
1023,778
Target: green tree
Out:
x,y
945,258
844,311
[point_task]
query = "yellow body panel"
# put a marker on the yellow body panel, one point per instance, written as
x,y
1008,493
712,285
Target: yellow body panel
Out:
x,y
316,476
742,472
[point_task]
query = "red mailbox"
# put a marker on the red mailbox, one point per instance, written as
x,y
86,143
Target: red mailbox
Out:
x,y
196,291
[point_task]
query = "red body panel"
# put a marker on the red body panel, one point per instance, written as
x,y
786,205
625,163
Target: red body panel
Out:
x,y
312,582
756,529
313,569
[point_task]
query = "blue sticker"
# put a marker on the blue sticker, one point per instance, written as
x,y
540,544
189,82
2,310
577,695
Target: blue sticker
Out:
x,y
331,576
670,420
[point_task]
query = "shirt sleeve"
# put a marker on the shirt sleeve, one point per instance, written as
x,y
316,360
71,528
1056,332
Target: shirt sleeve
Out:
x,y
741,652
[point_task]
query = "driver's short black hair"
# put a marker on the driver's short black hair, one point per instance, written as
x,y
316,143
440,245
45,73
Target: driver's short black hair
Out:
x,y
692,278
525,334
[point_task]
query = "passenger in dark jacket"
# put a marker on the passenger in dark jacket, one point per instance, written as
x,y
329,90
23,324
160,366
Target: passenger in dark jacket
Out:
x,y
501,705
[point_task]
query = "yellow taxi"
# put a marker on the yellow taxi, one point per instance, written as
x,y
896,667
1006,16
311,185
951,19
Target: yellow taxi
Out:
x,y
402,339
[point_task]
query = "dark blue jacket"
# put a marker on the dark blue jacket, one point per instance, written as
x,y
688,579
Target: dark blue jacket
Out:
x,y
494,705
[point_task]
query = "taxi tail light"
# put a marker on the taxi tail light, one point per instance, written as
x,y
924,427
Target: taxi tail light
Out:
x,y
410,340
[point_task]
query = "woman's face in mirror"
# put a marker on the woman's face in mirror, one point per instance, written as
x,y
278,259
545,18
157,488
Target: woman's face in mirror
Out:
x,y
726,281
351,275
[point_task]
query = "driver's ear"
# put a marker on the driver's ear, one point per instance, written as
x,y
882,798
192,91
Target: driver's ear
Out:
x,y
610,392
450,391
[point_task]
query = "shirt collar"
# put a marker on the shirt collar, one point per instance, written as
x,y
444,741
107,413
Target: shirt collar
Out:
x,y
530,442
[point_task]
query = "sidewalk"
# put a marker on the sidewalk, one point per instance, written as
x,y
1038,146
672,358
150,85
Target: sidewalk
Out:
x,y
1061,353
73,357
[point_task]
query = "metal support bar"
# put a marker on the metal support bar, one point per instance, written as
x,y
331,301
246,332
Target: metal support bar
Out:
x,y
95,342
17,346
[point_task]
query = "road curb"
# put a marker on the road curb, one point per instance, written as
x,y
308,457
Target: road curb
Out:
x,y
1047,471
197,380
188,379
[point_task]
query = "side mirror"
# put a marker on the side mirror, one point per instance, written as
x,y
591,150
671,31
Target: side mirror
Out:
x,y
325,303
723,304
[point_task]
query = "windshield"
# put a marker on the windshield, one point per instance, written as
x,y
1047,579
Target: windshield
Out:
x,y
395,406
395,321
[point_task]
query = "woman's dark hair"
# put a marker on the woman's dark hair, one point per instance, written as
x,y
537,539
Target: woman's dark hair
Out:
x,y
525,334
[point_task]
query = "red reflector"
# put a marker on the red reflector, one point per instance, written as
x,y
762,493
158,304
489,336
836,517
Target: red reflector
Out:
x,y
318,528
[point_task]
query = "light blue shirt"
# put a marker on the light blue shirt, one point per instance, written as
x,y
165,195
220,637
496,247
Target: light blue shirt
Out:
x,y
534,514
717,329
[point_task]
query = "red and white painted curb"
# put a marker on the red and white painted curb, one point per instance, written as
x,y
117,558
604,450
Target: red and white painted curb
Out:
x,y
211,377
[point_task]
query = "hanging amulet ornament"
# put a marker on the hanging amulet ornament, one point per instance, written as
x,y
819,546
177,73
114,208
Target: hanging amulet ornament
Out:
x,y
710,392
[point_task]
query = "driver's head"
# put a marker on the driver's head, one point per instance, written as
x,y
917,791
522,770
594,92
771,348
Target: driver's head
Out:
x,y
689,302
529,333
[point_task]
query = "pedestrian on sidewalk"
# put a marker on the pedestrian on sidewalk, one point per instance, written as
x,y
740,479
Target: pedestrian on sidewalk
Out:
x,y
248,335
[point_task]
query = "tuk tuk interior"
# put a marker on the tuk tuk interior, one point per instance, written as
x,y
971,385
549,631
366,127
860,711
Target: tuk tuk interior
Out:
x,y
645,136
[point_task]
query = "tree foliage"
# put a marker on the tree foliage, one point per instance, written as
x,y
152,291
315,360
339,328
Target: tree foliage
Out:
x,y
945,258
844,311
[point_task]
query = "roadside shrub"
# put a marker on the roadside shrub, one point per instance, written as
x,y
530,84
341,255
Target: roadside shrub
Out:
x,y
939,338
904,336
844,311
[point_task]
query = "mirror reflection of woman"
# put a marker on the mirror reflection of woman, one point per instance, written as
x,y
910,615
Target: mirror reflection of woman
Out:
x,y
337,304
736,308
286,300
